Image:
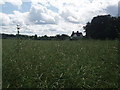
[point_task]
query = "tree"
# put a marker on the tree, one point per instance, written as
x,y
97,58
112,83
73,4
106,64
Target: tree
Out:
x,y
35,37
62,37
102,27
87,29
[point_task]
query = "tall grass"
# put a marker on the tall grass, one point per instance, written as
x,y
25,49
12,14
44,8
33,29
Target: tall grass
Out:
x,y
0,62
60,64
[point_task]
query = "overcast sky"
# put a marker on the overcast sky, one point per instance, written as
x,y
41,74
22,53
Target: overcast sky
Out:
x,y
51,17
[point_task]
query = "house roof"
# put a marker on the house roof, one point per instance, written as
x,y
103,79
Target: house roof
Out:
x,y
77,33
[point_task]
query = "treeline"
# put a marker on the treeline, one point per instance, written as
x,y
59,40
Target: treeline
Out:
x,y
103,27
35,37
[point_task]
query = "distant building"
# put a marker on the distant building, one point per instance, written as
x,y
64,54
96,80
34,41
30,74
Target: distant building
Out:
x,y
76,35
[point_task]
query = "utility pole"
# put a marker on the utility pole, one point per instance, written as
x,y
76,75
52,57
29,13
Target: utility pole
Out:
x,y
18,28
18,40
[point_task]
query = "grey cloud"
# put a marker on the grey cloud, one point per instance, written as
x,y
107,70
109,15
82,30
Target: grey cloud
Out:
x,y
72,20
53,30
119,8
69,17
112,10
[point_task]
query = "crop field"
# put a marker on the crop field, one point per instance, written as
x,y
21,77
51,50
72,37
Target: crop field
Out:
x,y
60,64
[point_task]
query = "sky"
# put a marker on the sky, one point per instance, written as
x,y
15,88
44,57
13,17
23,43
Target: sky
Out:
x,y
51,17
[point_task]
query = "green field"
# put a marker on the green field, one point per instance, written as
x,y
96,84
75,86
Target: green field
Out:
x,y
60,64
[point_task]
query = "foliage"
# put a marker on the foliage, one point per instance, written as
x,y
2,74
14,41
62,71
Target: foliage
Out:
x,y
62,37
35,37
103,27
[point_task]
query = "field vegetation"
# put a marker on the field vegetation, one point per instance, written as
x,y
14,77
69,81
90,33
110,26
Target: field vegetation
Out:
x,y
60,64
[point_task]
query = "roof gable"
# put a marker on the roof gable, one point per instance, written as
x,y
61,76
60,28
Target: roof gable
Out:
x,y
76,34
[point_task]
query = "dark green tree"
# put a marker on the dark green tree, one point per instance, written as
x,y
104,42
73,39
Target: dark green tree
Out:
x,y
103,27
35,37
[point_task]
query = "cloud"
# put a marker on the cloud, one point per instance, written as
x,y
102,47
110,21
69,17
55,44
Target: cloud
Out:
x,y
2,2
112,10
41,15
4,19
119,8
51,17
72,19
13,19
18,18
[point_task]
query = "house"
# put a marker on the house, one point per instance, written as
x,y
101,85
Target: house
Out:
x,y
76,35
